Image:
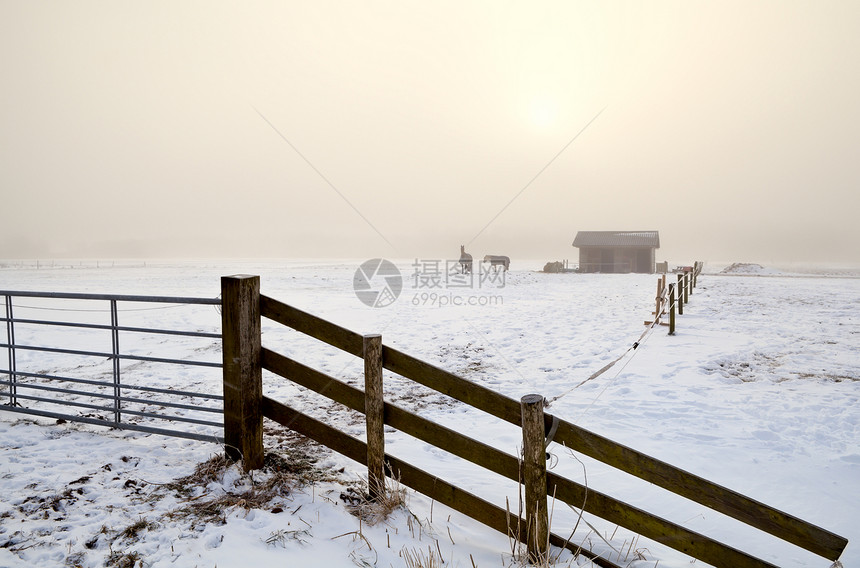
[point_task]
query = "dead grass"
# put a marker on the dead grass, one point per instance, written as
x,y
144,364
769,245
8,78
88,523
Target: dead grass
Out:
x,y
273,483
294,465
415,558
204,473
123,560
132,531
373,511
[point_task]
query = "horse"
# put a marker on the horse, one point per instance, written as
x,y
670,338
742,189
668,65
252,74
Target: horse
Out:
x,y
465,260
497,261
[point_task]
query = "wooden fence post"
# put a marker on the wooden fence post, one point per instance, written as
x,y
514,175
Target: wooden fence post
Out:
x,y
534,477
687,281
671,309
243,373
680,290
373,413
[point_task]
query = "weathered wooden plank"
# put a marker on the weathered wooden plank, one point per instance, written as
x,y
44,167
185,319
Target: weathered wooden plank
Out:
x,y
688,280
672,308
766,518
444,438
326,435
373,413
482,511
534,478
754,513
449,384
479,453
693,487
650,526
438,489
312,379
309,324
499,462
242,375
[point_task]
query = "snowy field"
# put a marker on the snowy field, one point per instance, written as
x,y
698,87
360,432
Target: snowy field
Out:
x,y
759,391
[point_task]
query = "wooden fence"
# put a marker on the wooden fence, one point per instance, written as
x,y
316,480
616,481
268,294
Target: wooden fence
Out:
x,y
671,298
245,407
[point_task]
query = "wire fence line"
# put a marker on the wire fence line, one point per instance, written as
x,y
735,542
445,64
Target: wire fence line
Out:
x,y
122,387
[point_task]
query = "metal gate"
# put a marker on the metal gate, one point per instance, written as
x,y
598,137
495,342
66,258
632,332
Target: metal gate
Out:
x,y
80,364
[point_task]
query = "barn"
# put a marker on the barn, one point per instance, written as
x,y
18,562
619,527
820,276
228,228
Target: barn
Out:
x,y
617,251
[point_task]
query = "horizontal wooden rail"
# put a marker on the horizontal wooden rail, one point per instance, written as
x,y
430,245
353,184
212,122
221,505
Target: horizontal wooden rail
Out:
x,y
393,360
449,384
309,324
650,526
412,424
437,489
506,465
693,487
754,513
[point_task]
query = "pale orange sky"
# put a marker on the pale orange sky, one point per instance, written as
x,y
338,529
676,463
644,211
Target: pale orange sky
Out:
x,y
402,129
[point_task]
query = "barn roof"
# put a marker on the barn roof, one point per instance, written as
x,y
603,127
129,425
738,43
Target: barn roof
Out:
x,y
648,239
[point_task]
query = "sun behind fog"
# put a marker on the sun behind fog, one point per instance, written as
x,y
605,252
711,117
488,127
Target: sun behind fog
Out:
x,y
542,112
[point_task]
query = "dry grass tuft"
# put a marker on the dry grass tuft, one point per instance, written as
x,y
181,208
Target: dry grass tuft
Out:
x,y
124,559
132,531
281,537
415,558
294,465
212,470
373,511
277,483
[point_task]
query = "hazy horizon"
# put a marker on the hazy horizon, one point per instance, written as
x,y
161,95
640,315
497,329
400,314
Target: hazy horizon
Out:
x,y
401,130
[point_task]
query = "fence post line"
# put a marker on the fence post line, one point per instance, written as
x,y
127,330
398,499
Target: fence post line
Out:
x,y
671,309
243,373
687,282
373,413
534,477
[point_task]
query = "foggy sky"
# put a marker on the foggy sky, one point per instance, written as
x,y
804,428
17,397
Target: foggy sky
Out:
x,y
402,129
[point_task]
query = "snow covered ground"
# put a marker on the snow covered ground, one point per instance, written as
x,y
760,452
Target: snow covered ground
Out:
x,y
759,391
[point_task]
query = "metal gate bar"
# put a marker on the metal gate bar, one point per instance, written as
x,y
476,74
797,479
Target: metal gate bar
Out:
x,y
113,397
125,387
110,409
219,439
10,339
105,355
113,391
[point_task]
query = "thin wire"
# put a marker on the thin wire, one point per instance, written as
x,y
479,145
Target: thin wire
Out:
x,y
537,175
97,311
493,346
642,339
636,344
325,179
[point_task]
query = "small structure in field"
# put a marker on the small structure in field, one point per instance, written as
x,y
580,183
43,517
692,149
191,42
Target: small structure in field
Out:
x,y
617,251
559,266
553,267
